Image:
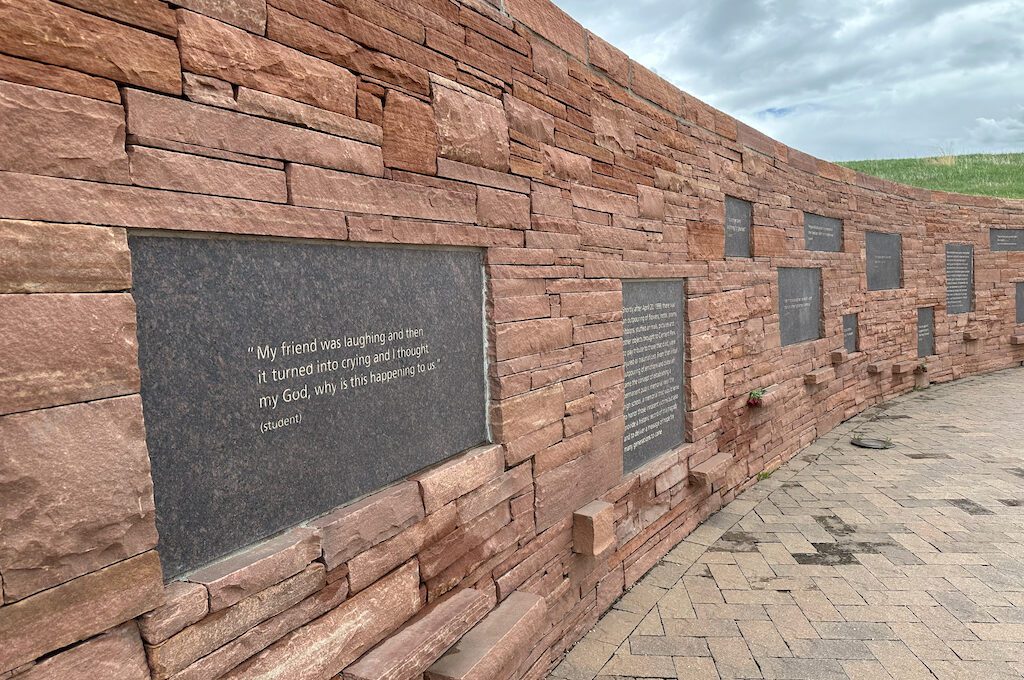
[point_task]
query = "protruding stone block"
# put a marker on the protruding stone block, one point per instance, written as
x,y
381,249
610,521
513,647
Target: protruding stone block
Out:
x,y
819,376
838,356
593,528
461,475
410,134
879,367
471,129
903,367
409,652
498,644
1017,339
711,471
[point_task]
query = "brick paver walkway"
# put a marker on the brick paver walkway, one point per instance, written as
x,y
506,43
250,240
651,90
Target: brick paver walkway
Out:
x,y
849,563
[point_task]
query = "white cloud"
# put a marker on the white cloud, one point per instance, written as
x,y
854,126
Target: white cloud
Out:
x,y
846,79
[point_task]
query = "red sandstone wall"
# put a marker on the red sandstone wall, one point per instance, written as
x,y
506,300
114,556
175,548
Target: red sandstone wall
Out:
x,y
429,122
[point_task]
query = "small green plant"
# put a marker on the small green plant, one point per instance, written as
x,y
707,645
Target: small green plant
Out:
x,y
921,368
756,397
764,474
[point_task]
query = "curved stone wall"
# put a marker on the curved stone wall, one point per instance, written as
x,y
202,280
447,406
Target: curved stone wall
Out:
x,y
502,126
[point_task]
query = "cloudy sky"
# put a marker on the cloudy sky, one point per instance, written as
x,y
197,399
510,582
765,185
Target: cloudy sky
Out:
x,y
841,79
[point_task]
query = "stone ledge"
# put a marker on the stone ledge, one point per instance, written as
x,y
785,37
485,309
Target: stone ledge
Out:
x,y
712,470
879,367
1017,339
819,376
593,528
903,367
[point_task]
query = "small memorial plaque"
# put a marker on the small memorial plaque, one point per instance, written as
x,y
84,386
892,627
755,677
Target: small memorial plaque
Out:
x,y
925,331
799,304
1020,302
652,319
884,254
738,220
822,233
281,379
1006,239
851,334
959,278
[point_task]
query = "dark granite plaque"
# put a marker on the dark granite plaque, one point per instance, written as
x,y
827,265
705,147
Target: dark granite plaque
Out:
x,y
1006,239
738,219
799,304
823,233
959,278
1020,302
652,319
925,331
884,253
281,379
851,334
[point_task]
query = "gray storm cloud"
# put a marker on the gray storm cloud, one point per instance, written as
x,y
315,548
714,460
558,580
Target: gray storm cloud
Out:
x,y
842,79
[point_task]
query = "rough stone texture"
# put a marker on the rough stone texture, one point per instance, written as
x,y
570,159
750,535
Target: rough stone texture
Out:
x,y
524,414
417,645
248,14
88,605
503,209
321,649
410,134
350,530
77,492
315,187
25,72
48,32
151,115
91,354
568,486
259,567
183,172
459,476
36,257
219,628
271,106
496,646
593,528
74,136
471,129
115,655
184,604
214,49
367,567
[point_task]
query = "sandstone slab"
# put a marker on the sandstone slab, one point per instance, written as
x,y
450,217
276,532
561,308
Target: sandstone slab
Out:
x,y
523,338
162,169
365,568
115,655
593,528
561,490
54,34
25,72
70,136
215,49
503,209
90,354
88,605
250,571
248,14
77,492
350,530
151,115
322,648
38,257
471,129
315,187
219,628
409,652
443,484
497,645
410,134
184,604
529,412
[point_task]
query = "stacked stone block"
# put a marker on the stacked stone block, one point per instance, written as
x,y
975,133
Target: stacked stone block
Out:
x,y
498,125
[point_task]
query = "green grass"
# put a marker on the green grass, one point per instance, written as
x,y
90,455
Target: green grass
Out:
x,y
982,174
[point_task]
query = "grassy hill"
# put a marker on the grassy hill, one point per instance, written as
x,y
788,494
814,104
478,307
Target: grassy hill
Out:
x,y
984,174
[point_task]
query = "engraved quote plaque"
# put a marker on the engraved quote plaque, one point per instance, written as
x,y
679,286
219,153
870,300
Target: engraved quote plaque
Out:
x,y
1006,239
884,254
1020,302
925,331
851,334
652,319
799,304
281,379
824,234
738,221
959,278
